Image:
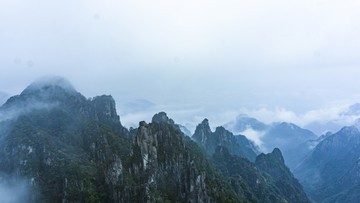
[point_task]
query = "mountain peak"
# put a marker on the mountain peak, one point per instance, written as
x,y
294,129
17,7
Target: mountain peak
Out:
x,y
162,117
349,130
204,127
277,154
48,82
205,122
274,156
220,129
105,108
47,91
288,125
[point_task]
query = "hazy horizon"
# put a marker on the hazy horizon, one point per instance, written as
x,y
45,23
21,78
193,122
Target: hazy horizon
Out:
x,y
275,61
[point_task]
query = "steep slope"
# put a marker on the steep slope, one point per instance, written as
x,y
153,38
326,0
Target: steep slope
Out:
x,y
166,169
266,180
66,148
294,142
274,165
162,117
62,144
221,137
330,171
162,167
291,139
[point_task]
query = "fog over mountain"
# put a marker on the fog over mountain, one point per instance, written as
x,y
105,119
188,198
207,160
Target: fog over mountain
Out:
x,y
295,61
273,76
58,146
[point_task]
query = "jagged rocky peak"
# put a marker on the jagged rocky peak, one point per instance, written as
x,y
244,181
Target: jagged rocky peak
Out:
x,y
203,127
105,108
275,155
202,132
166,165
274,165
147,141
205,122
210,140
47,93
223,135
47,83
220,129
162,117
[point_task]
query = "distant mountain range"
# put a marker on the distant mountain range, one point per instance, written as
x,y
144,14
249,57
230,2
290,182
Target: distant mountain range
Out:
x,y
238,145
328,166
293,141
347,117
56,145
330,173
64,147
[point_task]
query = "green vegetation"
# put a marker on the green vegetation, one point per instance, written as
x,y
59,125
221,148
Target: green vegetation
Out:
x,y
76,150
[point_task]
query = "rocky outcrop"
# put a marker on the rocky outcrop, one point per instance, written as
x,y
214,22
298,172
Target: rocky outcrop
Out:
x,y
221,137
73,149
202,132
274,165
162,117
266,180
105,109
166,170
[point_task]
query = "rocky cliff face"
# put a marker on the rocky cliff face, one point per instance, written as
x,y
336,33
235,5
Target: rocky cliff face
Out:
x,y
162,117
67,148
274,165
74,149
105,109
63,145
221,137
165,168
202,133
266,180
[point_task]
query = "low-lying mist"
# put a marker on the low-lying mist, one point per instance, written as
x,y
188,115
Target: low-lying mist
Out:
x,y
15,190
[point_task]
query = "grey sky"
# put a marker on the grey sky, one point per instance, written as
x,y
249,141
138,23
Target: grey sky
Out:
x,y
193,59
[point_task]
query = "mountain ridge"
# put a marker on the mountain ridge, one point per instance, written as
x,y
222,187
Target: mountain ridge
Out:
x,y
77,151
330,170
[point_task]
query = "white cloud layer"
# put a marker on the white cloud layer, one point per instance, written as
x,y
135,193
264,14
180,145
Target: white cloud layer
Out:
x,y
282,58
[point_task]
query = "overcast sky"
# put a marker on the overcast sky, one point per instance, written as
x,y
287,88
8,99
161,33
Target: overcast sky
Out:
x,y
278,60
